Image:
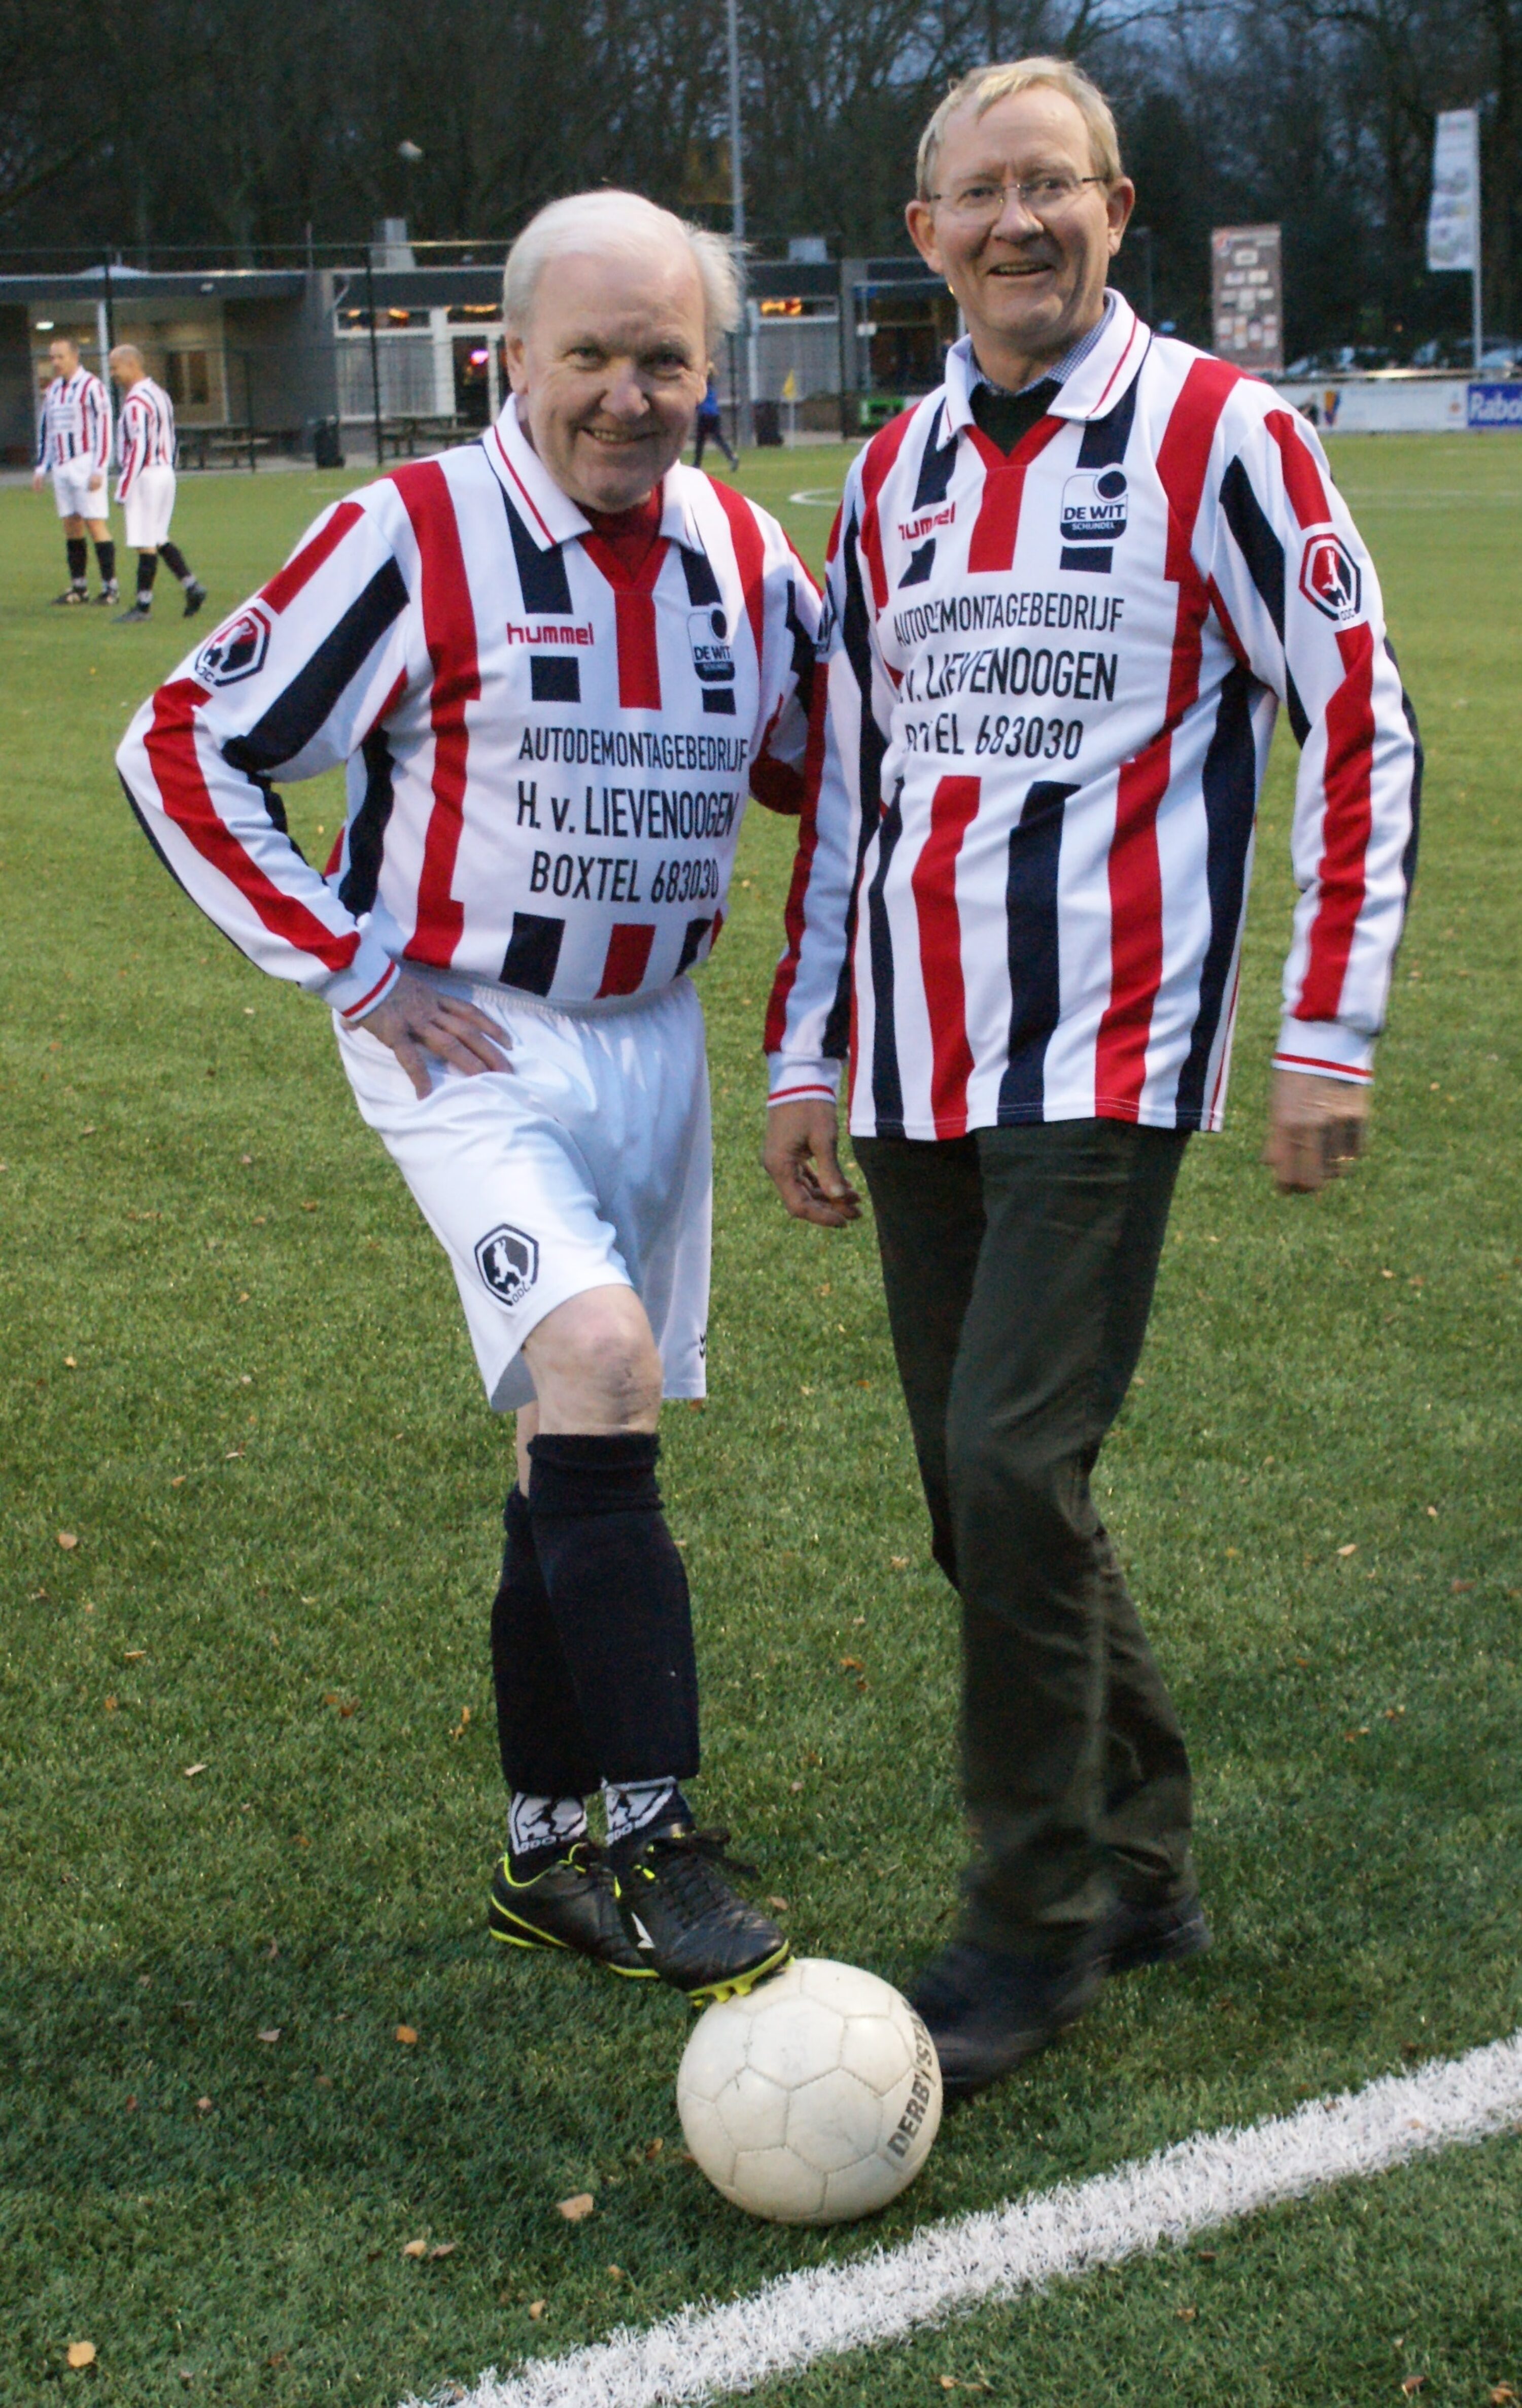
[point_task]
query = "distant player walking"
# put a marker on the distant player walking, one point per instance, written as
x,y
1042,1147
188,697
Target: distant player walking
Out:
x,y
74,447
146,454
555,662
710,427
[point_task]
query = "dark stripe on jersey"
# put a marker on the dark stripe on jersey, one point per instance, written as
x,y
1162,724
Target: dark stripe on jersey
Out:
x,y
920,564
936,461
697,931
1418,766
722,703
702,585
854,625
1229,783
553,677
294,717
1030,904
1105,439
542,579
533,952
368,836
803,651
1256,542
887,1086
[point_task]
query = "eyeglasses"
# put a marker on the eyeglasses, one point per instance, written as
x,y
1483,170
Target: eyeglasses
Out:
x,y
1042,197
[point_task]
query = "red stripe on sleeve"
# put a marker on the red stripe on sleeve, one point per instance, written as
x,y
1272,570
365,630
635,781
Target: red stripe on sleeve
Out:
x,y
628,956
303,565
750,559
448,627
997,523
881,452
1345,828
1302,477
170,744
952,807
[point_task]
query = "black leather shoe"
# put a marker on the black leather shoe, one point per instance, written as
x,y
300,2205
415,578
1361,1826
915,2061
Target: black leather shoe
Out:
x,y
685,1921
567,1902
987,2010
1135,1935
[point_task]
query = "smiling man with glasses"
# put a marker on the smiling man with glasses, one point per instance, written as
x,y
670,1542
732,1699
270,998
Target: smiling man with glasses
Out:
x,y
1066,594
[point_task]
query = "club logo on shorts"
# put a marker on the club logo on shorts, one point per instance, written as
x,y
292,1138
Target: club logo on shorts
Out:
x,y
508,1262
1330,580
238,649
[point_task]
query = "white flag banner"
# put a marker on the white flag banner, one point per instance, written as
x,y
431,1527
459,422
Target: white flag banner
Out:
x,y
1453,220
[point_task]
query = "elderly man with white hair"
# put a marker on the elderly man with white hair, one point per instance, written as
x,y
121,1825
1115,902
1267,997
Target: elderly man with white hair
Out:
x,y
554,664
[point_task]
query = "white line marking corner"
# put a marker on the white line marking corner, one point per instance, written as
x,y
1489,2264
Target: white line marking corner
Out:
x,y
703,2354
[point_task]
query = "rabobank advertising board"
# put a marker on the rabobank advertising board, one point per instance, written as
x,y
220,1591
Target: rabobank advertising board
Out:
x,y
1494,405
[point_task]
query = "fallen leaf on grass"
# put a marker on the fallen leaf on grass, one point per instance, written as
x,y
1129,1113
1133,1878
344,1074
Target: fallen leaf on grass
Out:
x,y
110,1705
536,2309
414,2249
70,1363
778,1905
1461,1588
578,2207
81,2352
1363,1732
1501,2396
617,2274
203,2106
653,2149
309,1208
179,1480
1413,2383
406,2035
898,1563
443,2249
1186,2315
271,2035
852,1664
460,1728
67,1540
192,1770
1349,1550
135,1655
234,1454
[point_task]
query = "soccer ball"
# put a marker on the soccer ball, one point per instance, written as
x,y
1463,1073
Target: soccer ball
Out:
x,y
815,2099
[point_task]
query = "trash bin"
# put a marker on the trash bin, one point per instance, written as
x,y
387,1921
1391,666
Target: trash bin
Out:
x,y
327,451
767,420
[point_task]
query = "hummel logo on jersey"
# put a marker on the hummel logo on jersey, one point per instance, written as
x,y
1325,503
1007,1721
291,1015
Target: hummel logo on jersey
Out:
x,y
910,530
1330,579
1094,506
508,1262
238,649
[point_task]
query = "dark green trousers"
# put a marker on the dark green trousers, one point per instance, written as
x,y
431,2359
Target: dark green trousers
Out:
x,y
1019,1265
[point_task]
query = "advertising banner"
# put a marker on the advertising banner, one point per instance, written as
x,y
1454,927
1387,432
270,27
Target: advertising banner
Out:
x,y
1452,219
1495,406
1247,297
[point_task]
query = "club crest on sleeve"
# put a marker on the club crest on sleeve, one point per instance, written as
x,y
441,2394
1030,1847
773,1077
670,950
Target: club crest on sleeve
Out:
x,y
1330,579
236,650
508,1261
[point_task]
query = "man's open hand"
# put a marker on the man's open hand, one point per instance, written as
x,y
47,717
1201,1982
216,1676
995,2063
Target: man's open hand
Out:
x,y
800,1158
1315,1130
416,1020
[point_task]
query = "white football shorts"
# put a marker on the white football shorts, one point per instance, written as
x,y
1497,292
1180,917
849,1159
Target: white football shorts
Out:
x,y
72,490
589,1164
150,506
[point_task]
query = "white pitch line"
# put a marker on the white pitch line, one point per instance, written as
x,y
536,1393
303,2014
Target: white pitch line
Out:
x,y
704,2354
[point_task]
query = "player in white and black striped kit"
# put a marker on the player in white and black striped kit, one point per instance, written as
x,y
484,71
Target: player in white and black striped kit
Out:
x,y
145,451
74,447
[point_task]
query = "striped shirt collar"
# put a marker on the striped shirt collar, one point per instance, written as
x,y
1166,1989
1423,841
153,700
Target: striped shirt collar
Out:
x,y
1091,376
550,514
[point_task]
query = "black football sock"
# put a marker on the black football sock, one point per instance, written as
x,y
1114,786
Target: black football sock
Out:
x,y
541,1830
148,568
544,1746
106,558
618,1591
635,1806
179,566
78,559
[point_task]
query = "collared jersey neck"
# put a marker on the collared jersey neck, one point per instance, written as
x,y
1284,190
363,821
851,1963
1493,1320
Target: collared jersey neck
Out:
x,y
551,515
1090,378
1072,359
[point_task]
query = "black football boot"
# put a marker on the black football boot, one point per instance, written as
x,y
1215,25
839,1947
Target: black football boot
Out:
x,y
684,1921
1133,1935
563,1899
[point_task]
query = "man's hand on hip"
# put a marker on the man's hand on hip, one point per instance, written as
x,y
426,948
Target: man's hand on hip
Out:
x,y
800,1158
1315,1130
416,1020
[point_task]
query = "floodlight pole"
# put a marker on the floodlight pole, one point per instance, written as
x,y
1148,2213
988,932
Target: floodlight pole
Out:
x,y
737,202
1476,279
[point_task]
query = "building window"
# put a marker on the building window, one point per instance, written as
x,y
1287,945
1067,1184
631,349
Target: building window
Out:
x,y
189,380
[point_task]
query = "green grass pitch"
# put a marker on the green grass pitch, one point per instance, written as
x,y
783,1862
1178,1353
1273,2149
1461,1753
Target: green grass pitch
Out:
x,y
234,1372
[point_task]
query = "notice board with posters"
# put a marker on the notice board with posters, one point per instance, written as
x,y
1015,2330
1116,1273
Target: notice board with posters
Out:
x,y
1247,297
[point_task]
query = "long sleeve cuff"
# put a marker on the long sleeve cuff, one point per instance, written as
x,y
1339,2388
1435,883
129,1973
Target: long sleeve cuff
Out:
x,y
790,1081
1325,1050
366,981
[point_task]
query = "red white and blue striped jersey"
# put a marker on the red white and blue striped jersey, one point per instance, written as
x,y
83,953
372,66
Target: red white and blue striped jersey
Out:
x,y
1037,750
75,421
145,432
547,758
